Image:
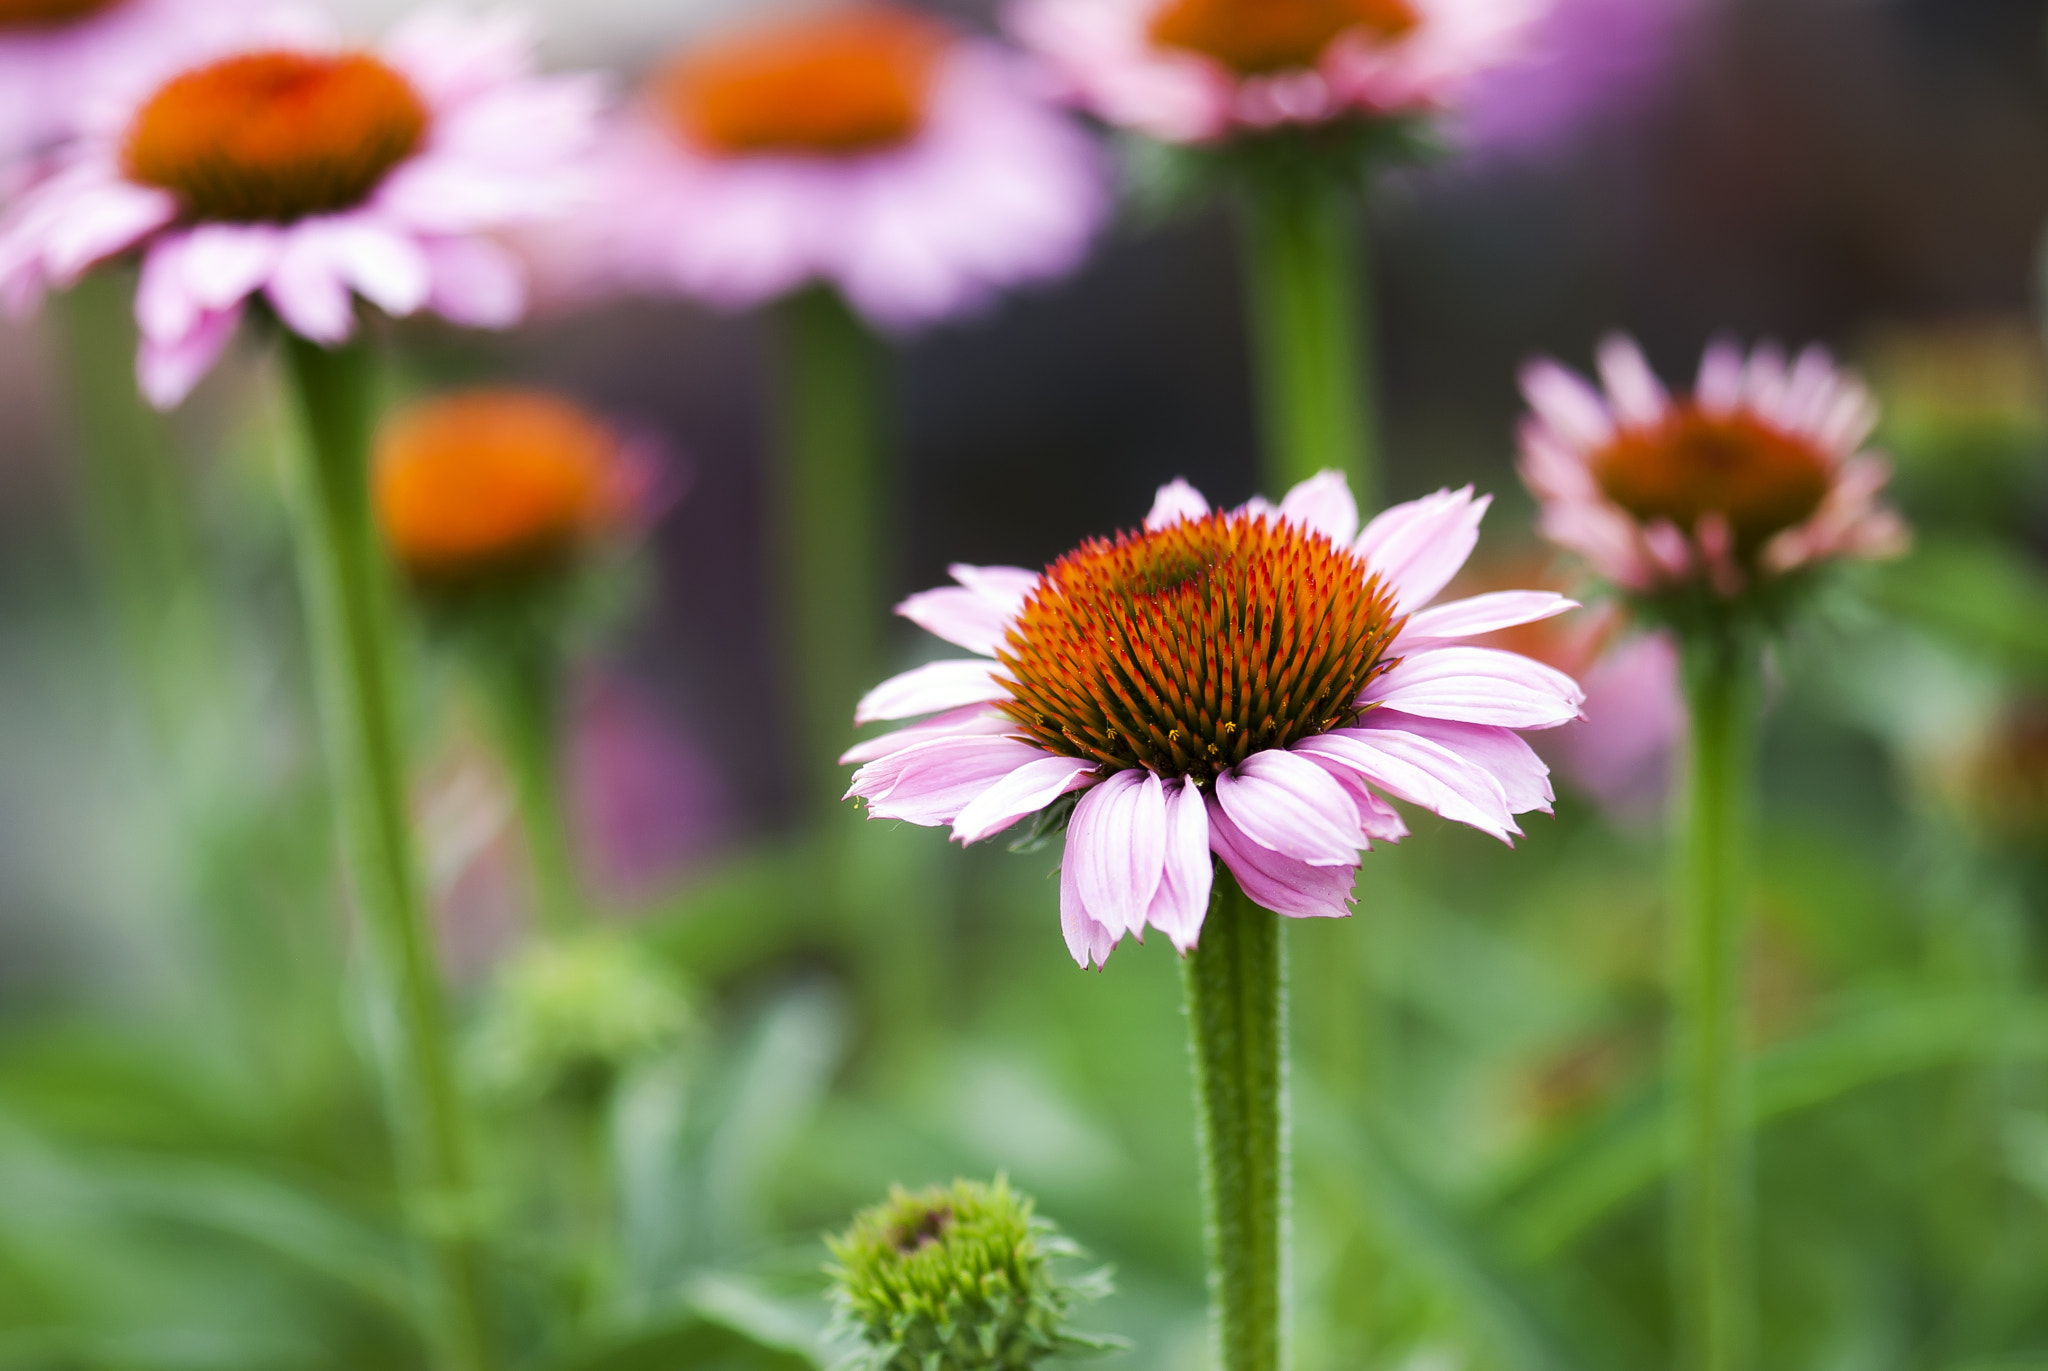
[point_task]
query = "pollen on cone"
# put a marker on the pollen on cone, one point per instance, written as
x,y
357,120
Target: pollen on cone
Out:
x,y
1254,36
488,481
848,81
272,137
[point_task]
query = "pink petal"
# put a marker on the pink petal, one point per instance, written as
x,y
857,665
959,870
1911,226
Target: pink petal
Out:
x,y
1637,396
1523,777
1279,883
1026,790
976,614
1182,900
930,688
1571,408
1012,584
930,784
1116,845
1719,388
965,722
1323,504
1422,772
1483,614
166,369
1419,546
1478,685
1089,941
1292,806
475,282
1176,500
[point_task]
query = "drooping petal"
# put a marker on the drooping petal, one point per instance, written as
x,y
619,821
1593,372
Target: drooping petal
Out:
x,y
1279,883
1290,805
1419,546
1478,685
1176,500
1116,845
1422,772
1323,502
167,369
1482,614
1523,776
1182,900
930,688
1026,790
930,784
964,722
1089,941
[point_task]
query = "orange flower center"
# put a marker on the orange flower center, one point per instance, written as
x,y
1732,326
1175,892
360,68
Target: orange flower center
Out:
x,y
1759,478
492,481
849,81
1188,649
48,14
1257,36
275,136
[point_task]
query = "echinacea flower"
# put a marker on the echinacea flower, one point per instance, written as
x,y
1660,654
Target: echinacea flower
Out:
x,y
1760,472
867,147
476,484
60,59
1196,71
1252,683
313,174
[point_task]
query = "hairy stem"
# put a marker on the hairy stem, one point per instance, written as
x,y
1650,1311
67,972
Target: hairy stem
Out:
x,y
1712,1200
352,639
1237,1011
1306,279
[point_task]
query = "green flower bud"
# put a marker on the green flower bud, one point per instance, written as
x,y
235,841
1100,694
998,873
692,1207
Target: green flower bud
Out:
x,y
958,1278
569,1013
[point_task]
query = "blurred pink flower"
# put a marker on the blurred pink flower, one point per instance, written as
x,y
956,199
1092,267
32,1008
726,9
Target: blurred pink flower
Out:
x,y
917,171
1760,472
1586,60
647,801
1620,753
313,174
1248,683
1195,71
62,62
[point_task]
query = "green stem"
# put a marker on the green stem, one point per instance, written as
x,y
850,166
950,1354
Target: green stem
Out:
x,y
525,684
1237,1013
1307,283
832,535
1713,1199
348,602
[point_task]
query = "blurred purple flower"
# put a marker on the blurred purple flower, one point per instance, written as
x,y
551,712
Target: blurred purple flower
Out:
x,y
1587,60
1620,753
647,802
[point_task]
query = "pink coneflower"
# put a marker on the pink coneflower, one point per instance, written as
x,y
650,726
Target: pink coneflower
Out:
x,y
867,147
313,174
1250,683
1760,472
1194,71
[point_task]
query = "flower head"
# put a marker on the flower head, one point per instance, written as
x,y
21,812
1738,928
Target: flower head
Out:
x,y
313,175
1251,683
1197,71
867,147
957,1278
480,484
1760,472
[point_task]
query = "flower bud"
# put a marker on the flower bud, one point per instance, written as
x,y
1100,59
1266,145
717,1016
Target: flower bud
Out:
x,y
958,1278
569,1014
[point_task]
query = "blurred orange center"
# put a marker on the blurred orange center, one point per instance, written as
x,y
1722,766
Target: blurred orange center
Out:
x,y
276,136
1187,649
1760,479
1255,36
848,81
493,480
48,14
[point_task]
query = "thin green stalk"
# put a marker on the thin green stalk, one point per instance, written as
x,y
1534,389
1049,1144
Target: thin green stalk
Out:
x,y
1237,1013
1713,1201
525,684
1307,284
832,535
348,602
